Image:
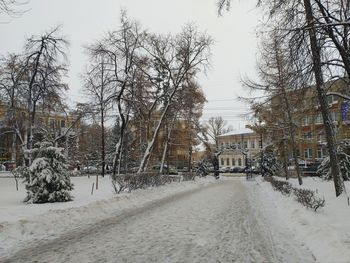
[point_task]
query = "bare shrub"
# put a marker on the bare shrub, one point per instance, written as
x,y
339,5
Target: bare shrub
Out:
x,y
130,182
308,198
282,186
188,176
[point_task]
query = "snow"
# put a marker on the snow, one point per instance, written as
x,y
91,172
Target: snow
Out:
x,y
327,232
237,132
217,222
20,222
208,220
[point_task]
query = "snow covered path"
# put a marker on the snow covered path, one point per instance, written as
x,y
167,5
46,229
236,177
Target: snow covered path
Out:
x,y
221,222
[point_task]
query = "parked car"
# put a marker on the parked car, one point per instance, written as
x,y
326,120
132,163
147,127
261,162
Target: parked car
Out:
x,y
253,170
171,170
235,169
309,168
224,169
90,168
210,169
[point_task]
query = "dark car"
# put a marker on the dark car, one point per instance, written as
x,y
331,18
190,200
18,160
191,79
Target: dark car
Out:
x,y
237,170
310,169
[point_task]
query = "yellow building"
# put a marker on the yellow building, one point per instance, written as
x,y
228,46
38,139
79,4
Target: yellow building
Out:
x,y
310,135
239,146
56,123
178,150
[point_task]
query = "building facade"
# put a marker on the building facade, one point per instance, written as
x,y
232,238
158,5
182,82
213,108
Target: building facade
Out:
x,y
307,117
54,122
239,147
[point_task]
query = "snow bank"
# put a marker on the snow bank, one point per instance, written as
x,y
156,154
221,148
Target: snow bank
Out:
x,y
327,232
20,223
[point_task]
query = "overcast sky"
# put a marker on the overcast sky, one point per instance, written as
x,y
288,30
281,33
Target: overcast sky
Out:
x,y
233,54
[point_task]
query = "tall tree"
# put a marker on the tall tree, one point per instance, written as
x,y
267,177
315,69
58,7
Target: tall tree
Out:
x,y
298,23
45,66
215,127
176,59
11,81
98,86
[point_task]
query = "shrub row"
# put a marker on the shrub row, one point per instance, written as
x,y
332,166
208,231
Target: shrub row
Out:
x,y
130,182
306,197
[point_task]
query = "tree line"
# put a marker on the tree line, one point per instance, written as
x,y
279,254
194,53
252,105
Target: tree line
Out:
x,y
144,82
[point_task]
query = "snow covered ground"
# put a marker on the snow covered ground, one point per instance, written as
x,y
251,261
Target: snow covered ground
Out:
x,y
230,220
221,222
21,223
326,232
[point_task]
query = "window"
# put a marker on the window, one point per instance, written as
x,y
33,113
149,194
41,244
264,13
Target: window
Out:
x,y
239,145
51,123
222,161
305,121
233,162
245,144
331,99
334,116
315,102
252,144
63,123
308,153
239,162
320,137
228,161
321,153
227,145
319,119
307,135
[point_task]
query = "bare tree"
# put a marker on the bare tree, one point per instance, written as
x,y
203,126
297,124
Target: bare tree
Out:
x,y
10,7
298,22
276,79
11,81
176,59
217,126
98,86
119,48
321,92
45,58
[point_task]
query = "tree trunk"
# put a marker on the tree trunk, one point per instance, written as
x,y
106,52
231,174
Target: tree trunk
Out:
x,y
150,144
289,114
316,57
103,151
285,159
166,145
119,146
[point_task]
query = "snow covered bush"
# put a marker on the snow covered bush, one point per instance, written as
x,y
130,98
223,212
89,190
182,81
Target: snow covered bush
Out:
x,y
130,182
306,197
202,168
343,153
188,176
282,186
269,163
47,178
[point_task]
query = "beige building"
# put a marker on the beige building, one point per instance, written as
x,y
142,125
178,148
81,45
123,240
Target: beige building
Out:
x,y
237,146
310,134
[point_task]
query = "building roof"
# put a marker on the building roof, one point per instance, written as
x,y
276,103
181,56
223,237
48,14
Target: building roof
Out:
x,y
238,132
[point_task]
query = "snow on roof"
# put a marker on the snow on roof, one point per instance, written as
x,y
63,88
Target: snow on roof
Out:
x,y
237,132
